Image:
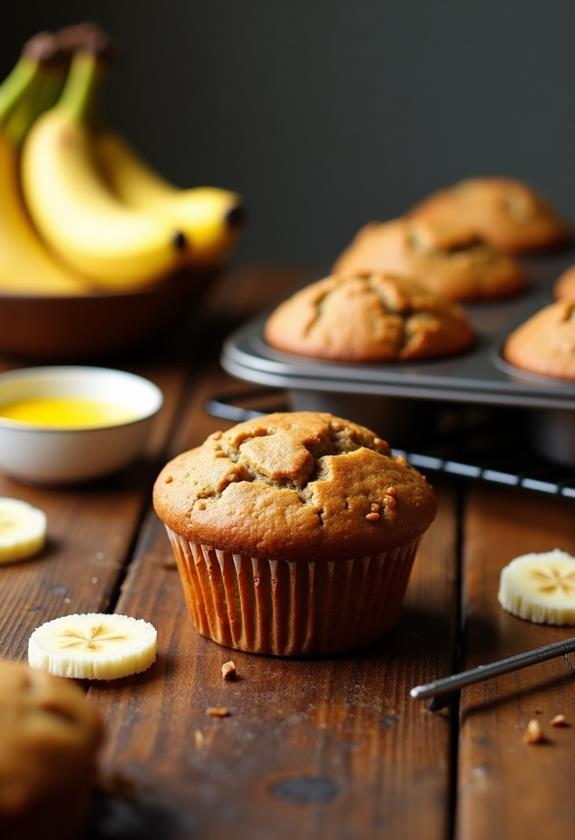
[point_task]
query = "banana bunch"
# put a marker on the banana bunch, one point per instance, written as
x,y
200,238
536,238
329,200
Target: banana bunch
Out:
x,y
79,210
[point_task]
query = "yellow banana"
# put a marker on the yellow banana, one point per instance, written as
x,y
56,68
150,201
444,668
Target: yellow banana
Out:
x,y
211,218
73,208
26,267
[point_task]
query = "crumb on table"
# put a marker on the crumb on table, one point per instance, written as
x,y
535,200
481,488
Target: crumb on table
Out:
x,y
534,734
229,671
218,711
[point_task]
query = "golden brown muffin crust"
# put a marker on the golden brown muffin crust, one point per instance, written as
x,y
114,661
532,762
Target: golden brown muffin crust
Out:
x,y
373,317
295,486
49,736
564,288
546,342
446,256
506,212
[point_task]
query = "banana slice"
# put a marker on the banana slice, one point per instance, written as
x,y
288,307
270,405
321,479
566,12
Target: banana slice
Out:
x,y
93,646
22,530
540,587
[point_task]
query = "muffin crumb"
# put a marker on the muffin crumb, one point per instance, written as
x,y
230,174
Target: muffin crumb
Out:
x,y
198,739
229,672
218,711
201,505
169,479
391,491
534,733
373,516
402,460
375,506
559,720
390,502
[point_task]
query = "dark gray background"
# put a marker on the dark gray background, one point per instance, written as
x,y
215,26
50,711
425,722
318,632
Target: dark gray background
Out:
x,y
327,113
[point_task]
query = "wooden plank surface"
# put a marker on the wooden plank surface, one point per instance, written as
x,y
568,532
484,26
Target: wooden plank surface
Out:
x,y
323,747
328,747
507,788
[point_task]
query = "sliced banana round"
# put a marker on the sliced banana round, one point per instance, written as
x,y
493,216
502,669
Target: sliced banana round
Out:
x,y
93,646
22,530
540,587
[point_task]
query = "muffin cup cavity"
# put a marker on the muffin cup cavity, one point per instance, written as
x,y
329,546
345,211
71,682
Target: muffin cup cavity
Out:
x,y
292,608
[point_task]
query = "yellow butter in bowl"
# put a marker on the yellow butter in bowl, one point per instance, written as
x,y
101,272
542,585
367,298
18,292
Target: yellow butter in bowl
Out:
x,y
65,424
67,412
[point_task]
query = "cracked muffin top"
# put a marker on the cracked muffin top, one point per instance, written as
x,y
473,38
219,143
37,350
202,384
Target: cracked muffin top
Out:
x,y
447,257
564,288
294,486
506,212
49,735
368,318
546,342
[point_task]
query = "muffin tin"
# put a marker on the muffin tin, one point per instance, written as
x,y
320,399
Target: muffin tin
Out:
x,y
403,400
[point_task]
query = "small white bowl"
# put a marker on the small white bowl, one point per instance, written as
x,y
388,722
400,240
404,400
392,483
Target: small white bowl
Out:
x,y
51,455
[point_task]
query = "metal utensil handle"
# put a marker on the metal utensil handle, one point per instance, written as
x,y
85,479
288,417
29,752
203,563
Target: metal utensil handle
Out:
x,y
493,669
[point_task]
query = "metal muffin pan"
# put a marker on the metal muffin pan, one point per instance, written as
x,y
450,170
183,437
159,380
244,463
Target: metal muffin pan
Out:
x,y
405,397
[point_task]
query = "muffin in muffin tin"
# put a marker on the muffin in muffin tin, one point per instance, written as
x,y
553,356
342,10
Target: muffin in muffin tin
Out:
x,y
564,288
545,343
505,212
370,317
448,257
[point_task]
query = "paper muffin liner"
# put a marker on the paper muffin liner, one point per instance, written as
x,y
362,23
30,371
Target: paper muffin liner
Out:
x,y
292,608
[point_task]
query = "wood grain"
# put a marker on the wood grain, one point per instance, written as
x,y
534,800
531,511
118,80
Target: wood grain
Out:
x,y
507,788
322,747
327,747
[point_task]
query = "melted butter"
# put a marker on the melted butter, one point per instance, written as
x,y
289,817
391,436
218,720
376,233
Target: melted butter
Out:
x,y
67,412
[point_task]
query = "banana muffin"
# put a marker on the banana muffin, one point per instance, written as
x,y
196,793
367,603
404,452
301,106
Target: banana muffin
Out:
x,y
447,257
564,288
294,533
546,342
367,318
505,212
49,737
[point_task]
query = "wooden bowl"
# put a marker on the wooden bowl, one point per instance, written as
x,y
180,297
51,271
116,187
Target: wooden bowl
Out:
x,y
79,327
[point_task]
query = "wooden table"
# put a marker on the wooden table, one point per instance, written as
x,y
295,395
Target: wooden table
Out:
x,y
315,748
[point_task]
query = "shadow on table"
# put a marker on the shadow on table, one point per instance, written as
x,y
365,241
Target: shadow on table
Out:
x,y
117,817
502,699
420,634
